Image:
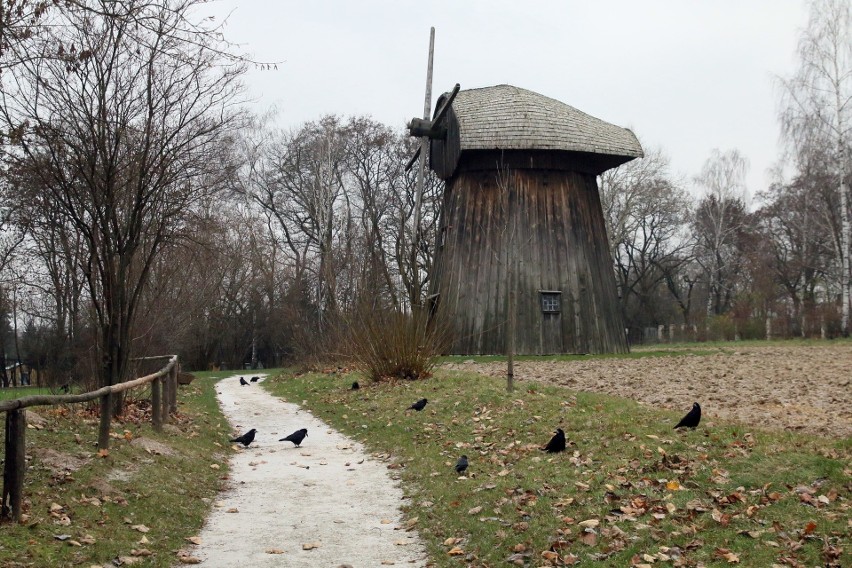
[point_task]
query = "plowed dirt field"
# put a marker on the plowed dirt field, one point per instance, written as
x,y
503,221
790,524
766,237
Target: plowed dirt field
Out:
x,y
803,387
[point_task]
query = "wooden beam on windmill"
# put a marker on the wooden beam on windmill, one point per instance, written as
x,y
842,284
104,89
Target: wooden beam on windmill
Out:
x,y
432,129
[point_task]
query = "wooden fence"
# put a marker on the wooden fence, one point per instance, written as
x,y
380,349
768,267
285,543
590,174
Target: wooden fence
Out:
x,y
163,402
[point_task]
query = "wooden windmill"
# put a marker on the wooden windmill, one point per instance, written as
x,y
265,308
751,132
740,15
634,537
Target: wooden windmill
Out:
x,y
550,154
502,145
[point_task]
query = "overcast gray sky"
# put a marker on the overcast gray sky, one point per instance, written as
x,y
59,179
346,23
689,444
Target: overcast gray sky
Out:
x,y
686,76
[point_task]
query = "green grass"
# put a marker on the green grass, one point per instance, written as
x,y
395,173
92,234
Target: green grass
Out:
x,y
658,497
20,392
99,504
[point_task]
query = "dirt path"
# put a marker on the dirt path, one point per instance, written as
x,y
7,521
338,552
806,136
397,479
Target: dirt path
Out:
x,y
329,493
798,387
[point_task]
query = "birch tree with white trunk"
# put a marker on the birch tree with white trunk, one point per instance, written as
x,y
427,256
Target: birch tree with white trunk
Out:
x,y
817,110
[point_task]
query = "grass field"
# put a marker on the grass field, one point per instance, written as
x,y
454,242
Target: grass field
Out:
x,y
629,491
20,392
134,504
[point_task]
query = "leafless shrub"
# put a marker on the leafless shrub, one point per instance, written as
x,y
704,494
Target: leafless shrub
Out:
x,y
388,344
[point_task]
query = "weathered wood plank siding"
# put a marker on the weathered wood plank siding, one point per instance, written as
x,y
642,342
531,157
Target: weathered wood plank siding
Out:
x,y
550,223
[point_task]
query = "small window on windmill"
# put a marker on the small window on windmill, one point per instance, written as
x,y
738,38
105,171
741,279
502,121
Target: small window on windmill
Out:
x,y
551,301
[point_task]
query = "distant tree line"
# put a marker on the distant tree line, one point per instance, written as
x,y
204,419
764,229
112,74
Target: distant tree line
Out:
x,y
144,211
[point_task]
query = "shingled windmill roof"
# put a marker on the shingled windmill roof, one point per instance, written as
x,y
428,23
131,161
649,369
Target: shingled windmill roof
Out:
x,y
511,118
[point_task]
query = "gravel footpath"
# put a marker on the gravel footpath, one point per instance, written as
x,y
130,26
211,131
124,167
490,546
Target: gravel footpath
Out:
x,y
324,504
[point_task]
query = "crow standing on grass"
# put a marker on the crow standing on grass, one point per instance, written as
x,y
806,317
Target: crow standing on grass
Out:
x,y
243,382
355,386
419,405
296,437
556,443
461,465
692,418
246,438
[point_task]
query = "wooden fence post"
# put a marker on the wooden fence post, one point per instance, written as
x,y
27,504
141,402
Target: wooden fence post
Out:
x,y
173,374
164,407
105,423
156,405
15,464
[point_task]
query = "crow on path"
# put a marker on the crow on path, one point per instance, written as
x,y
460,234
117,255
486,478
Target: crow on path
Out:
x,y
296,437
355,386
556,443
255,379
243,382
692,418
246,438
461,465
419,405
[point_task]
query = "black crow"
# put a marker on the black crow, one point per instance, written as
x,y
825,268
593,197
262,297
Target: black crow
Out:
x,y
355,386
255,379
419,405
66,388
461,465
246,438
243,381
556,443
296,437
692,418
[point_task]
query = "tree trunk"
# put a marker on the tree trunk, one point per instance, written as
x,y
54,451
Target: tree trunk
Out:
x,y
14,465
845,230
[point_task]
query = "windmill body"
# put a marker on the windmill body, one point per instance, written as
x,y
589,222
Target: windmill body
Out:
x,y
520,172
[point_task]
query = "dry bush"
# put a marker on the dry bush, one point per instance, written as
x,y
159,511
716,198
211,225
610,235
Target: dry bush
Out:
x,y
388,344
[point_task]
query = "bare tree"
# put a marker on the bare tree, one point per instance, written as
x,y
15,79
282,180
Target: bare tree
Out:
x,y
303,189
646,212
376,171
817,110
124,135
719,218
798,241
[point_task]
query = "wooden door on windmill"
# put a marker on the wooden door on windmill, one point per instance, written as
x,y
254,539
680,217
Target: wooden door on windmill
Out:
x,y
551,321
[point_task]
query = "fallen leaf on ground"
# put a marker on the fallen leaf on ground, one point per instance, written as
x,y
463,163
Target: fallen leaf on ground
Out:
x,y
729,556
274,551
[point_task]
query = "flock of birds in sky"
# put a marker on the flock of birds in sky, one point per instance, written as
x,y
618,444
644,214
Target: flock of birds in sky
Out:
x,y
555,445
